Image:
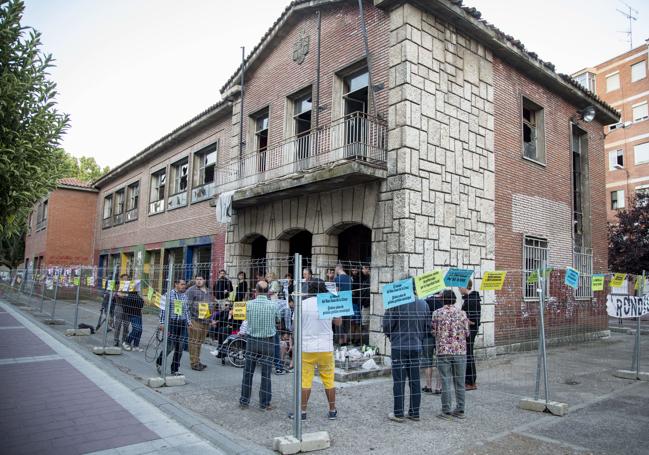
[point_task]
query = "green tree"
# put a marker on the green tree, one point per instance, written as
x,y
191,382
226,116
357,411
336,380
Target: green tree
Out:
x,y
31,127
628,239
12,250
84,168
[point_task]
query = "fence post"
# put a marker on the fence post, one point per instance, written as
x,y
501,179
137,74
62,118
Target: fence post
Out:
x,y
297,350
542,356
56,289
76,301
31,289
636,350
165,327
43,284
110,303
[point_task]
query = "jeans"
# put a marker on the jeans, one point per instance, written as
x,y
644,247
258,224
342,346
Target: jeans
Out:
x,y
120,324
452,368
174,342
278,362
405,364
470,359
258,350
133,338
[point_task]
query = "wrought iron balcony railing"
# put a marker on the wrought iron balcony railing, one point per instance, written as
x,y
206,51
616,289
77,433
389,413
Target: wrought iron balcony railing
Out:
x,y
356,137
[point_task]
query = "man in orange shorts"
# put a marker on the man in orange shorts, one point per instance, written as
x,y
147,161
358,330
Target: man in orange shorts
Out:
x,y
317,349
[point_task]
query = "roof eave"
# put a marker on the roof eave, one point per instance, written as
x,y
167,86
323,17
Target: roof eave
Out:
x,y
169,140
76,188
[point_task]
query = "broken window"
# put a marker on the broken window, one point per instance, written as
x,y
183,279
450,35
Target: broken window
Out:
x,y
533,135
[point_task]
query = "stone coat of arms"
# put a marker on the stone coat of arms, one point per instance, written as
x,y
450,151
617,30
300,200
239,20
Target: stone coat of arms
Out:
x,y
301,47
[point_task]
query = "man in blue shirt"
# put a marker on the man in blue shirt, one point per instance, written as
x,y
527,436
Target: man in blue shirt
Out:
x,y
176,301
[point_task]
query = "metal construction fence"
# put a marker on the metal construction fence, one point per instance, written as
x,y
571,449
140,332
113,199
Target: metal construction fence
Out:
x,y
216,329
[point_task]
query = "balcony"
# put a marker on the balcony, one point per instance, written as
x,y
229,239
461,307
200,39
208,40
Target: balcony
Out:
x,y
348,151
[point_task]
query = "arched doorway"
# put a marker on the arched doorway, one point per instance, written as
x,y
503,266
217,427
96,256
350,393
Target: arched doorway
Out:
x,y
355,244
258,257
301,243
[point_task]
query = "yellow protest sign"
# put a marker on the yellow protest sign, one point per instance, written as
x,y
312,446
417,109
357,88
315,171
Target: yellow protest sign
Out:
x,y
203,310
239,311
76,281
178,307
110,285
618,280
104,283
429,283
493,281
597,282
149,294
533,278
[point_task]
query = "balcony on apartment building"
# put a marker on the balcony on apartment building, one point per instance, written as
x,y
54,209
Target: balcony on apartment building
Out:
x,y
347,151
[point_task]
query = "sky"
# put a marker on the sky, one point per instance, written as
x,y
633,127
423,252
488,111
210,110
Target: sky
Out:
x,y
130,71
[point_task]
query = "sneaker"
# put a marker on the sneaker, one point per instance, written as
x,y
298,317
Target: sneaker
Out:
x,y
427,390
243,405
202,365
126,347
458,414
279,371
291,415
333,415
470,387
445,416
268,407
196,368
395,418
413,417
176,373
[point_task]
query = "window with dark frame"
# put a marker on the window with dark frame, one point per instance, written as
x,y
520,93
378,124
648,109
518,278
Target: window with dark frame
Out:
x,y
615,159
132,201
204,172
157,194
617,199
302,107
118,207
107,219
533,134
261,139
179,174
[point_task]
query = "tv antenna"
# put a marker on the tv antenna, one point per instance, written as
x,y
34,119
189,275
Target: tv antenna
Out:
x,y
629,14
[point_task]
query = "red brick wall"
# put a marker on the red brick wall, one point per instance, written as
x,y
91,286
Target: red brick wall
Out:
x,y
194,220
277,76
68,237
515,175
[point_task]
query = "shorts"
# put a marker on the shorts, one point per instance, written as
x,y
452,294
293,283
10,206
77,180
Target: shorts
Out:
x,y
428,353
325,363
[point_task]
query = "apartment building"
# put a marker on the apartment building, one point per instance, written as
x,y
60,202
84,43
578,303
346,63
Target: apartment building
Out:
x,y
623,83
60,226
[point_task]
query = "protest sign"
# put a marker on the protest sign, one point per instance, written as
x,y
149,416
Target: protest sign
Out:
x,y
458,278
203,310
149,294
178,307
331,287
617,280
397,293
572,278
429,283
597,282
333,306
626,306
493,281
239,311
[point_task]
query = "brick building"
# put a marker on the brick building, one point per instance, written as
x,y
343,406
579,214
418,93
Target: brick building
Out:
x,y
445,144
61,225
623,83
154,209
419,137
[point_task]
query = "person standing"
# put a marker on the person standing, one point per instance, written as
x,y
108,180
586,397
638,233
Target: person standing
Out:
x,y
428,355
262,316
121,318
179,317
406,326
317,350
343,283
133,305
471,306
241,293
200,309
223,287
451,329
307,276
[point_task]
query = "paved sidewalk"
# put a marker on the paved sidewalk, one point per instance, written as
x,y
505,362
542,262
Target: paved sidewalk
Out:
x,y
53,401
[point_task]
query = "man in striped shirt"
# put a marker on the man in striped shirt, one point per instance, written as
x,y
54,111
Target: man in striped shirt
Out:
x,y
176,301
262,315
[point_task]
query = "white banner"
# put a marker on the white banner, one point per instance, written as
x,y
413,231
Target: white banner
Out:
x,y
627,306
224,207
